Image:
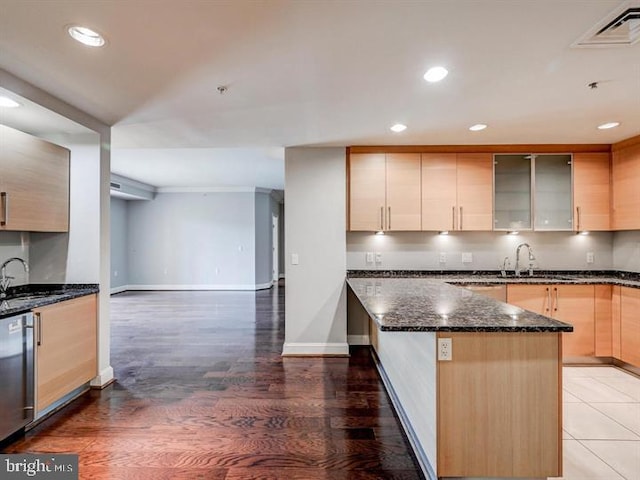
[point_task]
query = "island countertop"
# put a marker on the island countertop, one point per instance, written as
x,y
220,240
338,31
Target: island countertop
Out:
x,y
427,304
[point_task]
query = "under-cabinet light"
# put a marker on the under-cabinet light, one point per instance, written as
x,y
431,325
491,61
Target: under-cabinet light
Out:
x,y
513,232
608,125
398,127
444,232
584,232
477,127
379,232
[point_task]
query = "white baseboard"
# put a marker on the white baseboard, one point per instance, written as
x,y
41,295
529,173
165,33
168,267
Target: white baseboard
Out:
x,y
358,340
315,349
259,286
120,289
105,377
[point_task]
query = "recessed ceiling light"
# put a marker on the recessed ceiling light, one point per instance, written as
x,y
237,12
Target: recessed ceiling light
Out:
x,y
435,74
606,126
7,102
398,127
86,36
477,127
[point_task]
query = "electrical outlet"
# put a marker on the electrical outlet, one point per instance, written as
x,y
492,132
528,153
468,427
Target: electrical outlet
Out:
x,y
369,290
467,257
378,290
443,257
590,257
369,257
445,349
295,260
378,257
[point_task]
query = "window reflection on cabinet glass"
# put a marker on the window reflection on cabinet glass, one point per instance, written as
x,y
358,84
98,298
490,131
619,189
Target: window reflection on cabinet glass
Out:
x,y
553,209
512,192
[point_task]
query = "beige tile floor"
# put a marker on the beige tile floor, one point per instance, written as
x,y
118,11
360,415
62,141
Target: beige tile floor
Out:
x,y
601,424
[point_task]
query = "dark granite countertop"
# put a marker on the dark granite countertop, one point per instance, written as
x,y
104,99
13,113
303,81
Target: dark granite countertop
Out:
x,y
489,277
27,297
431,304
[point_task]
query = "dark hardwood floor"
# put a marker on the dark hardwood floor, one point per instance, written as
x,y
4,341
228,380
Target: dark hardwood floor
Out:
x,y
203,393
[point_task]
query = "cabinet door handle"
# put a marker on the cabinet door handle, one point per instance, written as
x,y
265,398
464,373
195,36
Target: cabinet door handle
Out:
x,y
555,307
381,218
460,218
548,299
389,220
39,326
577,219
5,208
453,217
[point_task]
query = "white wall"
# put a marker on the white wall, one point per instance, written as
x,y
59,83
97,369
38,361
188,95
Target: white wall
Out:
x,y
421,250
119,257
315,208
15,244
192,240
626,251
263,239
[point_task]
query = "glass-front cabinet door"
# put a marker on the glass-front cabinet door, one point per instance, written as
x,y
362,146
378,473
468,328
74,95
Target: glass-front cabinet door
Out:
x,y
533,192
512,199
553,208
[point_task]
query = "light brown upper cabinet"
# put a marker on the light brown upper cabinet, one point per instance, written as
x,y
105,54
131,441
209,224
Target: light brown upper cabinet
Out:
x,y
384,192
457,191
625,173
591,191
34,183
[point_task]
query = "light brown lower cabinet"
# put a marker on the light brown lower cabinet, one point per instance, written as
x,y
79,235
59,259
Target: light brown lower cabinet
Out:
x,y
574,304
499,406
630,325
66,348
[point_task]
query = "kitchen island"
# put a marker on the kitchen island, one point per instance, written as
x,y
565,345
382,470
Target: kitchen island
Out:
x,y
477,383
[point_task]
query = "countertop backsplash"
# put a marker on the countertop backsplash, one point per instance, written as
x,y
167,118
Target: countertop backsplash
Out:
x,y
552,251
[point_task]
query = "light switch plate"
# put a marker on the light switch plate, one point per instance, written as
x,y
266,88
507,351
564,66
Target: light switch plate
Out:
x,y
378,257
467,257
369,257
442,258
590,257
295,260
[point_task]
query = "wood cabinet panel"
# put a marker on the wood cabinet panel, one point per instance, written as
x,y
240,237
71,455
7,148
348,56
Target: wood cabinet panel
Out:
x,y
499,406
616,300
439,191
535,298
34,182
475,191
403,191
367,197
603,319
630,325
66,354
591,191
574,304
625,173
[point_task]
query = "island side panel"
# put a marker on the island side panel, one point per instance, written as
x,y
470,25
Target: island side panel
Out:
x,y
500,405
408,360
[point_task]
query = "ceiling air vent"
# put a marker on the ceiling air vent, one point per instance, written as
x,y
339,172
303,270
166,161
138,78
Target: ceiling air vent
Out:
x,y
620,28
115,186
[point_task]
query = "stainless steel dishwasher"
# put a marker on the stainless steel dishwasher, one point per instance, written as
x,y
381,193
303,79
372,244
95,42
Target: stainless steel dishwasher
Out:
x,y
16,373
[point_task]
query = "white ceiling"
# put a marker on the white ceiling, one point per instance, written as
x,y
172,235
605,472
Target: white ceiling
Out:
x,y
321,72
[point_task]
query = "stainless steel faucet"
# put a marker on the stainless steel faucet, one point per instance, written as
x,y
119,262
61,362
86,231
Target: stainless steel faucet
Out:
x,y
531,259
5,280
